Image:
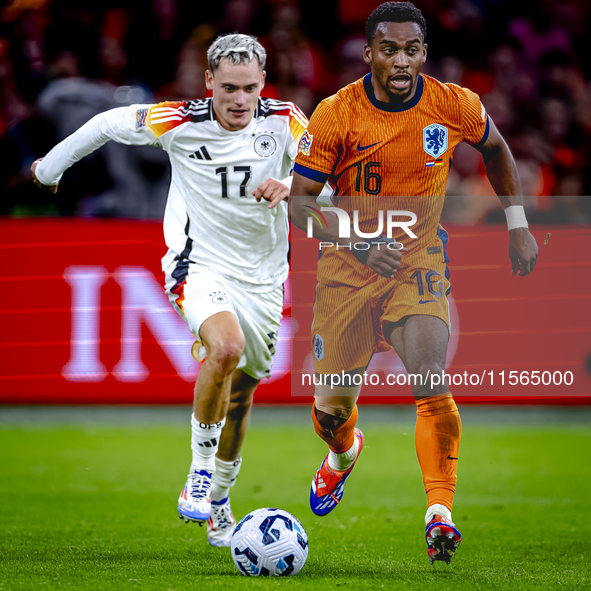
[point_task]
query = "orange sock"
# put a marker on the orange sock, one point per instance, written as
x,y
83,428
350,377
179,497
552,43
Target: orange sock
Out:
x,y
341,438
437,439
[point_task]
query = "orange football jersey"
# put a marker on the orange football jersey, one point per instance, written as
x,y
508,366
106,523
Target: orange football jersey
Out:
x,y
395,156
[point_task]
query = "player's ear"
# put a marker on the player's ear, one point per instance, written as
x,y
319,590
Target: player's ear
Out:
x,y
367,54
424,52
208,80
263,79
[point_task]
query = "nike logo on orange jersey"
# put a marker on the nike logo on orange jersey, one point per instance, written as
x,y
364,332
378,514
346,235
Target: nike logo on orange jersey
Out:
x,y
361,148
426,301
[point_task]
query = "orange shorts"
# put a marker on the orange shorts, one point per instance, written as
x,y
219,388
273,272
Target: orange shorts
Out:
x,y
349,322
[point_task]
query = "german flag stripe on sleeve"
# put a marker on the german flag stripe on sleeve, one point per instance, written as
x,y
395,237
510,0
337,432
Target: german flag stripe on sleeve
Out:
x,y
164,117
296,127
297,120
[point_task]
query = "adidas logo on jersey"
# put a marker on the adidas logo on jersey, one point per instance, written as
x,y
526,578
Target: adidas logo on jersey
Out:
x,y
201,154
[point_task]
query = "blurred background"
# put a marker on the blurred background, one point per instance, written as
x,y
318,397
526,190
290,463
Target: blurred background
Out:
x,y
63,61
94,360
90,308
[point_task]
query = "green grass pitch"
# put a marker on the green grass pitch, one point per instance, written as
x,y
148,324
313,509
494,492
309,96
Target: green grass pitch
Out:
x,y
94,507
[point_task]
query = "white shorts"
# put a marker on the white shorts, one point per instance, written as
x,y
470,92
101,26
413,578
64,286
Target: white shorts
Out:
x,y
197,294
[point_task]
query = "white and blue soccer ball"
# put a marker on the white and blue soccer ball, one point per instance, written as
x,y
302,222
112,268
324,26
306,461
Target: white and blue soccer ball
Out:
x,y
269,542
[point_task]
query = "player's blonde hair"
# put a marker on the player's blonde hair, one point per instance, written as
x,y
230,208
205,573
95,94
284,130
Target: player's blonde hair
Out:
x,y
237,48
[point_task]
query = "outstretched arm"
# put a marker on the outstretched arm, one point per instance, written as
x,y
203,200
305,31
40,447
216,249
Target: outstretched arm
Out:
x,y
502,174
117,124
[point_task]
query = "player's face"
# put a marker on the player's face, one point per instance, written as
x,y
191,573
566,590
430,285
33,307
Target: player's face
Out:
x,y
236,90
396,55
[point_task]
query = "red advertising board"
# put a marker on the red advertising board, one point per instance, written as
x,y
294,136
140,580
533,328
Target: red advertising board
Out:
x,y
84,318
514,340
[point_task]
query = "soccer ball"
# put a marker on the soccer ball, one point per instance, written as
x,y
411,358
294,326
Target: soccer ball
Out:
x,y
269,542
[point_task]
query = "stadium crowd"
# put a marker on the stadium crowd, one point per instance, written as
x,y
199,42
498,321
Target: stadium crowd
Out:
x,y
61,62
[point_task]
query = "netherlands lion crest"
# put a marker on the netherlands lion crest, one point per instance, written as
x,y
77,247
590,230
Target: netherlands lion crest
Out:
x,y
435,139
318,347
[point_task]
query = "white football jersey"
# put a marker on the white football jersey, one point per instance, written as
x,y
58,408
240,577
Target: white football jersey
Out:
x,y
211,217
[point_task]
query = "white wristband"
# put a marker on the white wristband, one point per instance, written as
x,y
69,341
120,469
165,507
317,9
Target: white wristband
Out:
x,y
515,215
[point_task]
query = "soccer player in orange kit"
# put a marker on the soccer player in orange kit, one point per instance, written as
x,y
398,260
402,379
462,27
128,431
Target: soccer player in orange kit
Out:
x,y
385,143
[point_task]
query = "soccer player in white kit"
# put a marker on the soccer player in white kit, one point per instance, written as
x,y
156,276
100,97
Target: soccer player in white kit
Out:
x,y
227,257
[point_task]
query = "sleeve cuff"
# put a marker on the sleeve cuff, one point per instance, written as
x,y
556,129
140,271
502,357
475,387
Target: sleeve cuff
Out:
x,y
310,173
39,174
484,137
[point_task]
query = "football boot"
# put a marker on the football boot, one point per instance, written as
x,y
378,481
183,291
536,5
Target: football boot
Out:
x,y
328,484
442,539
195,500
221,523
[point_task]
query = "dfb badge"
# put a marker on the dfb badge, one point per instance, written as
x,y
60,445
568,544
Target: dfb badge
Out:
x,y
435,139
265,145
219,297
318,347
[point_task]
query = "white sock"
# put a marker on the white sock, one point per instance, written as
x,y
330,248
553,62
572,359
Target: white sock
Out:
x,y
225,478
342,462
437,510
205,440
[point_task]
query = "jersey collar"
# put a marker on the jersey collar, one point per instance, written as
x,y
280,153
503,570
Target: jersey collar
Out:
x,y
392,107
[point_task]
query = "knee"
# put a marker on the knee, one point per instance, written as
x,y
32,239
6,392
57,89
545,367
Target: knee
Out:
x,y
224,354
334,410
423,382
336,400
336,406
327,421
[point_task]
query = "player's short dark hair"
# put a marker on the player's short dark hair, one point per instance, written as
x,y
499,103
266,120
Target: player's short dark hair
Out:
x,y
395,12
